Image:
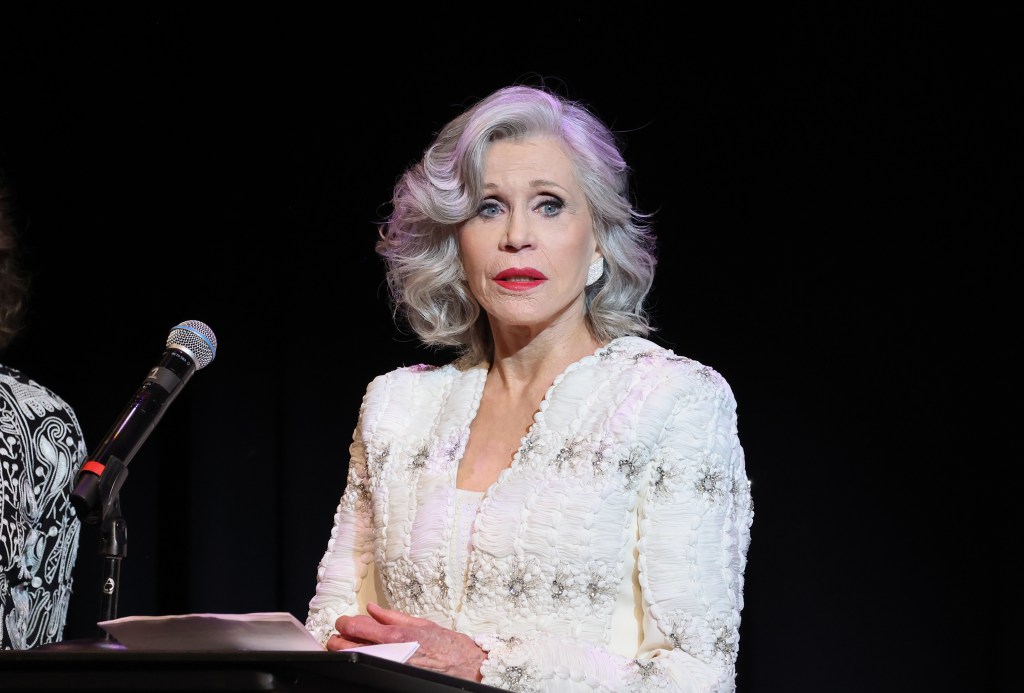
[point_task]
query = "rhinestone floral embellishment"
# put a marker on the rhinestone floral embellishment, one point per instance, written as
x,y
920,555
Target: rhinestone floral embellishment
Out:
x,y
572,453
529,445
562,587
511,669
376,457
711,482
631,466
712,640
420,457
521,584
647,676
602,584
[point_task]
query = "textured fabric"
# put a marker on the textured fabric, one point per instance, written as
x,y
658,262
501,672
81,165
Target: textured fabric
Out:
x,y
41,450
467,504
608,557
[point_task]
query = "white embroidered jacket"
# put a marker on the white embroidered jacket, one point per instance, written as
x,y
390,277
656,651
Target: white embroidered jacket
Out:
x,y
608,557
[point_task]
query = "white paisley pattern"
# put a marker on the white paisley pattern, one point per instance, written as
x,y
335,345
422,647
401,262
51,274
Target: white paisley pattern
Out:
x,y
631,481
41,451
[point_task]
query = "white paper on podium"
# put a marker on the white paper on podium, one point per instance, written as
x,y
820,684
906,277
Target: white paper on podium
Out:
x,y
272,631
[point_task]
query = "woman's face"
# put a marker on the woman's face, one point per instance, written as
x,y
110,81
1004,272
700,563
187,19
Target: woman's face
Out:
x,y
527,250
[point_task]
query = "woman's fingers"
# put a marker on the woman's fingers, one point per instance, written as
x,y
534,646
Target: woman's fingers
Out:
x,y
391,617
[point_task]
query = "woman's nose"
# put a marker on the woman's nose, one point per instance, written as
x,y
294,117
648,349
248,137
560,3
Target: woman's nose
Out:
x,y
518,231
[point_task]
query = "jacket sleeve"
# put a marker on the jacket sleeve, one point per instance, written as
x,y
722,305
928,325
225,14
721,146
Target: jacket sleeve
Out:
x,y
694,518
346,578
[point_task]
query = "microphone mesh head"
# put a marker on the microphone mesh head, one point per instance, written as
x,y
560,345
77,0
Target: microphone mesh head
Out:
x,y
197,338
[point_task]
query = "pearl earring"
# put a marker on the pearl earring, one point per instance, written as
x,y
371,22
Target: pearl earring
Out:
x,y
595,271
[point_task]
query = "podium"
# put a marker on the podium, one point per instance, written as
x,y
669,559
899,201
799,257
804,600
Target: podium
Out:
x,y
26,671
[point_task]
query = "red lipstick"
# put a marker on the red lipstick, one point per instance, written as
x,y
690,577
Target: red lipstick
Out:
x,y
519,278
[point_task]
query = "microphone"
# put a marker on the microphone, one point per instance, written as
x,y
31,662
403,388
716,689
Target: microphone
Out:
x,y
190,347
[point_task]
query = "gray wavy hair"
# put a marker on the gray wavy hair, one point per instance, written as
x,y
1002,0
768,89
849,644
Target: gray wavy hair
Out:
x,y
433,197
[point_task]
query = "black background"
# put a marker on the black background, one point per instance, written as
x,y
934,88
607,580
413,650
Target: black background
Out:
x,y
833,190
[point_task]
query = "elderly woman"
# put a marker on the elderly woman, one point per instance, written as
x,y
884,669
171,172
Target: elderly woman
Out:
x,y
565,506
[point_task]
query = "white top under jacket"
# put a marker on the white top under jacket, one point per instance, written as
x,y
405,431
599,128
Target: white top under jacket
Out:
x,y
608,557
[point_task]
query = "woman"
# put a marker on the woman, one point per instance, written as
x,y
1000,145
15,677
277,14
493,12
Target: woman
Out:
x,y
564,507
41,450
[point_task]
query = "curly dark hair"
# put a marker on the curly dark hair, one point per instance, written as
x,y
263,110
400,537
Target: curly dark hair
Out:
x,y
13,278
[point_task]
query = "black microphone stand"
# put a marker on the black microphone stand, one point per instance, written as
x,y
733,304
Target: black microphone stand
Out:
x,y
113,539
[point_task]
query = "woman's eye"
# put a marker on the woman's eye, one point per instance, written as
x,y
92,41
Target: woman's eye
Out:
x,y
489,209
550,208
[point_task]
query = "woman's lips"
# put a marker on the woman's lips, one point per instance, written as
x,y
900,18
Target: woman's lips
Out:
x,y
519,278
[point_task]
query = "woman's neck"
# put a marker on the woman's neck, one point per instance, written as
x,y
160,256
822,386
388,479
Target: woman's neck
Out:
x,y
521,365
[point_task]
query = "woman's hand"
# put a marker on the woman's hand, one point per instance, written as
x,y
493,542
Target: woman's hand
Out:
x,y
442,650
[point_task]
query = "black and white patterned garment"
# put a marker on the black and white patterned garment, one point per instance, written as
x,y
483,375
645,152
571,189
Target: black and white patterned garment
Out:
x,y
41,450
